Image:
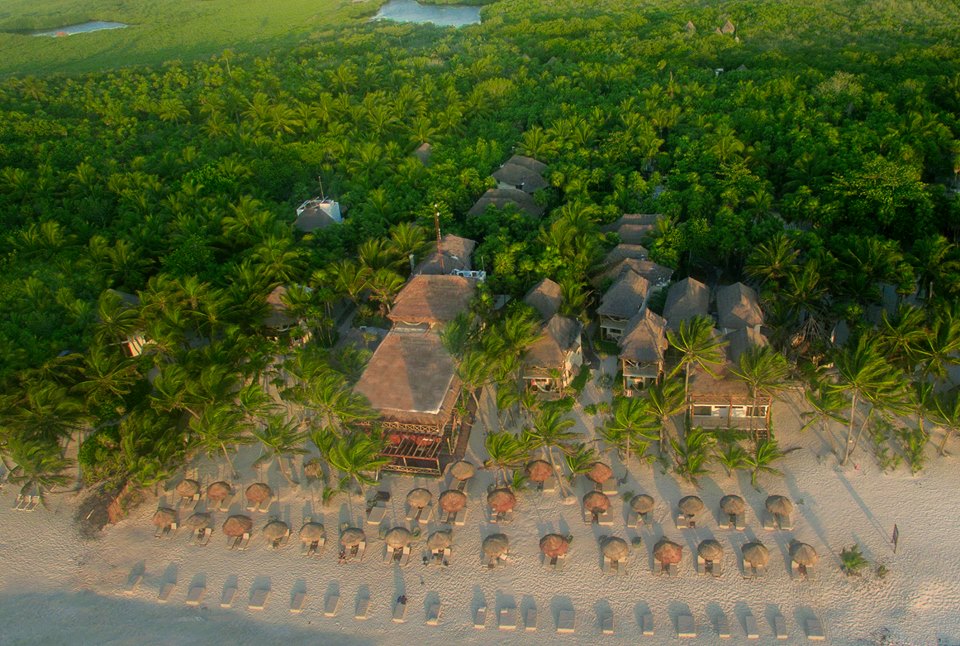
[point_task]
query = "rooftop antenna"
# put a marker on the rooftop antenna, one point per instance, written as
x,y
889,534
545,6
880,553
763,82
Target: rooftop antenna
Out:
x,y
436,225
320,181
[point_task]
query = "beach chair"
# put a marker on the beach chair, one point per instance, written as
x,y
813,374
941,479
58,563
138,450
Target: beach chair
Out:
x,y
502,518
258,598
507,619
282,541
195,595
331,605
686,628
133,582
723,627
646,624
203,536
673,569
361,612
606,623
566,622
226,599
166,589
462,486
715,568
224,503
609,486
21,502
189,502
433,614
400,611
780,627
686,522
560,562
549,485
750,626
244,542
360,550
530,620
33,504
480,618
420,515
405,556
814,630
297,601
376,513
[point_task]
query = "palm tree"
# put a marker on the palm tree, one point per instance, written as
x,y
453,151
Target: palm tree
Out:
x,y
946,413
942,343
698,347
407,239
39,465
763,370
665,400
693,455
937,262
765,453
279,437
772,260
579,459
106,377
475,373
218,426
732,457
902,337
384,285
326,393
631,423
507,451
47,412
355,456
551,431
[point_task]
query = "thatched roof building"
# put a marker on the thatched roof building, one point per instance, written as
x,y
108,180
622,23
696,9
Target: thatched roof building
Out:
x,y
625,297
278,317
522,173
501,197
431,299
728,27
644,340
423,153
656,275
457,254
545,297
738,307
317,214
560,336
742,340
623,252
529,163
686,299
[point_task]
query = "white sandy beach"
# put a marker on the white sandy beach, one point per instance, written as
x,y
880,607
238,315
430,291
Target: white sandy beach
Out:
x,y
56,587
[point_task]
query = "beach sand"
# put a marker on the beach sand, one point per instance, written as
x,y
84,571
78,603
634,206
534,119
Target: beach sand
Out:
x,y
55,586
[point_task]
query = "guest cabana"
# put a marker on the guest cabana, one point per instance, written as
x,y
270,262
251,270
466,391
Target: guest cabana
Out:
x,y
553,360
620,303
738,307
686,299
453,255
429,300
501,197
642,349
521,173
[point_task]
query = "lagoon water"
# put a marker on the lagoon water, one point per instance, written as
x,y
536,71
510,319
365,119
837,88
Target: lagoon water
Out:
x,y
96,25
443,15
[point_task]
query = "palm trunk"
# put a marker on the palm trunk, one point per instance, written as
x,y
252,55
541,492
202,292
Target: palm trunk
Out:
x,y
853,410
862,426
233,469
559,475
947,432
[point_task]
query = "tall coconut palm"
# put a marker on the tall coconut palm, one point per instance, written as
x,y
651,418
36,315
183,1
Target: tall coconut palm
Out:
x,y
764,371
47,412
693,454
279,438
902,337
475,373
632,423
220,425
772,260
550,430
506,451
941,344
765,453
356,456
384,285
698,347
39,466
106,377
665,400
326,393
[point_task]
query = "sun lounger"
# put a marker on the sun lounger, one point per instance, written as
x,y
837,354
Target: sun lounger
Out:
x,y
400,612
133,582
723,627
750,626
22,502
195,595
480,618
530,620
166,588
376,514
224,503
609,487
561,561
606,623
502,518
815,630
433,614
646,624
686,522
362,609
686,628
226,599
780,627
420,515
258,598
460,517
549,485
203,536
244,542
672,569
33,503
331,605
462,486
566,622
508,618
189,502
716,568
297,600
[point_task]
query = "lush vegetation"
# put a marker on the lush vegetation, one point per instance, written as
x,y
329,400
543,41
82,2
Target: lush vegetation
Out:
x,y
821,164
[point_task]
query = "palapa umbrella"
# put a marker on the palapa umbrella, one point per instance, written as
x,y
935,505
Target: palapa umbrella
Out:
x,y
237,525
554,545
599,472
199,520
690,505
258,492
666,551
642,503
732,505
312,532
755,554
164,516
352,536
495,545
596,502
452,501
419,498
710,550
188,488
218,491
313,469
275,530
398,538
463,470
501,500
779,505
440,540
803,554
539,470
615,549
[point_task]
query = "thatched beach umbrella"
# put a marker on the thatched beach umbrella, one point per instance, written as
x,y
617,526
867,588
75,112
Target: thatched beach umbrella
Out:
x,y
710,550
495,545
596,502
237,525
218,491
539,470
188,488
312,532
275,530
599,472
642,503
164,516
803,554
351,537
419,498
199,520
463,470
452,501
779,505
732,505
755,554
501,500
554,545
690,505
313,469
398,538
440,540
258,492
666,551
615,549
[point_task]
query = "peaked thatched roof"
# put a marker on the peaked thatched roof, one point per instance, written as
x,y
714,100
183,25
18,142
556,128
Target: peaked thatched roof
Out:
x,y
411,378
656,275
625,297
558,337
429,298
277,316
741,340
529,163
546,297
624,251
644,339
520,177
728,27
690,26
686,299
738,306
501,197
423,153
632,219
457,253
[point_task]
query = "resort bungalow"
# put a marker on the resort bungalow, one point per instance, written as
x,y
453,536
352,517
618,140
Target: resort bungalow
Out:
x,y
553,360
429,300
134,342
633,228
657,275
642,349
521,173
686,299
738,307
499,198
453,256
620,303
546,297
317,214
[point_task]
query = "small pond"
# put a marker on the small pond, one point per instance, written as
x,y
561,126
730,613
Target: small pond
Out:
x,y
443,15
96,25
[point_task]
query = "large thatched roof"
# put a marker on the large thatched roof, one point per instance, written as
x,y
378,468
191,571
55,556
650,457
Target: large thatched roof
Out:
x,y
686,299
456,252
625,297
632,219
656,275
432,299
520,177
644,340
559,336
738,307
501,197
411,378
529,163
545,297
277,315
742,340
625,251
721,385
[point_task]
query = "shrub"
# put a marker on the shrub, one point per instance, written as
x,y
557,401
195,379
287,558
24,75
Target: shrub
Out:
x,y
853,560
